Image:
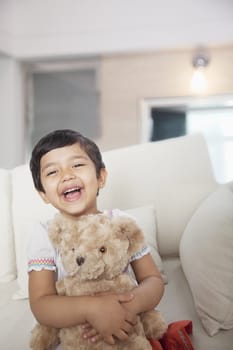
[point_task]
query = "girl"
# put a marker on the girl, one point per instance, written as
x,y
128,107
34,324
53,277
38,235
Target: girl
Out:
x,y
68,172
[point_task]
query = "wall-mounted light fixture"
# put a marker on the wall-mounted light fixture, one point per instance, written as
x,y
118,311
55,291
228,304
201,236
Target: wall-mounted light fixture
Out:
x,y
200,61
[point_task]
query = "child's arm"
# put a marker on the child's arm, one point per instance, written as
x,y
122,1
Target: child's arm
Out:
x,y
150,287
105,314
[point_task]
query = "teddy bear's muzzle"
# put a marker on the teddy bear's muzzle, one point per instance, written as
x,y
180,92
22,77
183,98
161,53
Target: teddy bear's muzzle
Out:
x,y
80,260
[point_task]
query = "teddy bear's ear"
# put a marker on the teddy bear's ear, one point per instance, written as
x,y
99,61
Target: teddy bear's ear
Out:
x,y
55,230
130,229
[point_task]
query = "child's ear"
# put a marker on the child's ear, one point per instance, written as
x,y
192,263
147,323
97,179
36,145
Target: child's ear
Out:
x,y
44,197
102,178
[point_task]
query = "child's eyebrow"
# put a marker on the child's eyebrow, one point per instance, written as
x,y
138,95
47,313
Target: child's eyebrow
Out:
x,y
48,165
79,157
76,157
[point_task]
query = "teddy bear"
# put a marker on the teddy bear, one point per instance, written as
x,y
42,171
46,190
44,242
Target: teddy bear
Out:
x,y
95,252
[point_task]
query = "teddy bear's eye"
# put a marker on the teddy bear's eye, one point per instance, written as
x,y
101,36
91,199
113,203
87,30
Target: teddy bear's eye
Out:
x,y
102,249
73,250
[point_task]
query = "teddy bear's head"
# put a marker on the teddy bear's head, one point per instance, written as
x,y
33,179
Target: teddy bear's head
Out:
x,y
95,246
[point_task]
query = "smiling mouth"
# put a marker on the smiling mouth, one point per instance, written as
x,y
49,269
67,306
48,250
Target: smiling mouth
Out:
x,y
71,192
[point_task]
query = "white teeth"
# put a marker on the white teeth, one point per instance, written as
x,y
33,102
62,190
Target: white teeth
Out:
x,y
71,190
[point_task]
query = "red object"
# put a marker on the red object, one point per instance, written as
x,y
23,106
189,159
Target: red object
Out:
x,y
175,338
155,344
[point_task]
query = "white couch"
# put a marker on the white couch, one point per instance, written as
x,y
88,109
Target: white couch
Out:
x,y
187,218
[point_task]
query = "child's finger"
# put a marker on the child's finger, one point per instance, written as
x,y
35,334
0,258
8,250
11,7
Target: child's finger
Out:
x,y
96,338
88,334
86,326
124,298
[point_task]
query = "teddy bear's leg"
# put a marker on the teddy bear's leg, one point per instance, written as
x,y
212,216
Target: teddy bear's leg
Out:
x,y
154,324
44,338
71,339
135,342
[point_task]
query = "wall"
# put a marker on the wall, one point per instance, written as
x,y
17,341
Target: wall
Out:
x,y
127,79
65,100
124,80
11,113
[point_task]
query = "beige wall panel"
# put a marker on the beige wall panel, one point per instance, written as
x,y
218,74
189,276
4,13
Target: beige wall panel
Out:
x,y
127,79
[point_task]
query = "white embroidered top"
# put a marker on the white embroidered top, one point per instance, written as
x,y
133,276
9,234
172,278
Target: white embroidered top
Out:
x,y
42,255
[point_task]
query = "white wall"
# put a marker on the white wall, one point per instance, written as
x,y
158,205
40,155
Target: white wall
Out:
x,y
124,80
127,79
11,113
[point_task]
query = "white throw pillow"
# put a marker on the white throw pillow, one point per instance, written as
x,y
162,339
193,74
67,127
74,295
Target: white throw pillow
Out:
x,y
7,248
28,208
146,219
206,252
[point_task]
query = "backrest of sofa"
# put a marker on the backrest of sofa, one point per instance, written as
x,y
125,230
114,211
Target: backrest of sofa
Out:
x,y
7,248
173,175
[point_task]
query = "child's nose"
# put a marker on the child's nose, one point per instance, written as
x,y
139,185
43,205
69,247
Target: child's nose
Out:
x,y
68,175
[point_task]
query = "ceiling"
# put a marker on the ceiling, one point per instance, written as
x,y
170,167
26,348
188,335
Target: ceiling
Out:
x,y
40,28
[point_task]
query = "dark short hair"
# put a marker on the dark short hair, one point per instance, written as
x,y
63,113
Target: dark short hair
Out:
x,y
58,139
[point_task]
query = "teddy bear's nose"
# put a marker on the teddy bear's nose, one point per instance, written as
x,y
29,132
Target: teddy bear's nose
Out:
x,y
80,260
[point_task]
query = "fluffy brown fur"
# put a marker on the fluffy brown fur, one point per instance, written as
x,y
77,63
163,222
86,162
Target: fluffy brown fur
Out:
x,y
95,251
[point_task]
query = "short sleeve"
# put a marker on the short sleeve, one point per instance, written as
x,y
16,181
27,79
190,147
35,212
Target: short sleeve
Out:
x,y
144,251
40,252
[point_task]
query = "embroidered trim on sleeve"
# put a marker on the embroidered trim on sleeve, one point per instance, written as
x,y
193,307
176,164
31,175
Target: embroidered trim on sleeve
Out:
x,y
41,263
145,250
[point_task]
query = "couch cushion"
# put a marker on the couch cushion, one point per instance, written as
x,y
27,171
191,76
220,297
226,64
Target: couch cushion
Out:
x,y
206,252
177,304
7,247
172,175
16,319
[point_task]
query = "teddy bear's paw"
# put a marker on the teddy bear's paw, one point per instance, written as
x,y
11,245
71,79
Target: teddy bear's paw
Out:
x,y
154,324
44,338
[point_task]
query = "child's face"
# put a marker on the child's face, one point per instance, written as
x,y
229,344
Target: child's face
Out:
x,y
69,179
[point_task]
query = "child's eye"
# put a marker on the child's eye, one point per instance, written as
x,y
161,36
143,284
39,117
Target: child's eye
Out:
x,y
52,172
77,165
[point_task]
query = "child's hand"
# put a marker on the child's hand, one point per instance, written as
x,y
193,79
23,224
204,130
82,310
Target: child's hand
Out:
x,y
129,307
93,336
109,319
